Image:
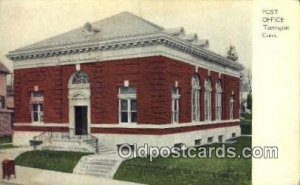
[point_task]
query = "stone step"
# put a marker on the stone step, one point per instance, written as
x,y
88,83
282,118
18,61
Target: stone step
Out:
x,y
104,150
99,170
95,162
95,174
59,148
89,141
106,161
106,153
92,170
99,163
102,146
65,140
92,144
91,167
99,158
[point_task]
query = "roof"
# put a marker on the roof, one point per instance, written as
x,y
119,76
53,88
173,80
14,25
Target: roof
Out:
x,y
122,24
119,31
3,69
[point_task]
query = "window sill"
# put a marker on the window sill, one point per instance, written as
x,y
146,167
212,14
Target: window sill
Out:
x,y
37,123
129,125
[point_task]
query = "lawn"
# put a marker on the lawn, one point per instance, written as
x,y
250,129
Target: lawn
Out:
x,y
6,146
191,171
5,142
246,124
247,116
50,160
5,139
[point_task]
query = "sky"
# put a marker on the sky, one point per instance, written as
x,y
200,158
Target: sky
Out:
x,y
223,23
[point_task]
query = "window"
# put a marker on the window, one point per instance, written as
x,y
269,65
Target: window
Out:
x,y
207,99
127,105
198,142
80,78
37,103
195,99
233,135
218,100
37,113
210,139
178,145
231,106
220,138
175,104
2,102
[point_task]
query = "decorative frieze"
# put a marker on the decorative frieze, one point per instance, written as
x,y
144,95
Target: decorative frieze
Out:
x,y
118,44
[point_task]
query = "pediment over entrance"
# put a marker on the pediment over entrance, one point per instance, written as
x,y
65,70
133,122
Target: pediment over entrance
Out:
x,y
79,95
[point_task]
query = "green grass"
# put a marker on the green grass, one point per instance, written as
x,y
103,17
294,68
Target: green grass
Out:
x,y
207,171
5,139
5,142
246,124
247,116
50,160
6,146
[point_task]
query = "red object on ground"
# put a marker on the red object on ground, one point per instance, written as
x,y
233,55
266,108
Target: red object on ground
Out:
x,y
8,169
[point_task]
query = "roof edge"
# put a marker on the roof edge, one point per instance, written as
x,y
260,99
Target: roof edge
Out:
x,y
128,42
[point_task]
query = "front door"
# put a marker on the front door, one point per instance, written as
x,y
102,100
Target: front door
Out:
x,y
80,120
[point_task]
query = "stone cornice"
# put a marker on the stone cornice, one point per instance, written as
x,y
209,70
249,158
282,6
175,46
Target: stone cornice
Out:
x,y
126,42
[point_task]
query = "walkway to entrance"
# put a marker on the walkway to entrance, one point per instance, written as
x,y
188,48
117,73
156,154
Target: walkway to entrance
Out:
x,y
33,176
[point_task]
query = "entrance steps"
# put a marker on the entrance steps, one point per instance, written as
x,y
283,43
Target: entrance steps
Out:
x,y
75,145
100,165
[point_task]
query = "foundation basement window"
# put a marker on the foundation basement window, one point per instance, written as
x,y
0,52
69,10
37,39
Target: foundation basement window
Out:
x,y
178,145
197,142
220,138
210,139
233,135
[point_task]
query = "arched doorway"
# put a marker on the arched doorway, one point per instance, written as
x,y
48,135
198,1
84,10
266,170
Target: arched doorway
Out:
x,y
79,103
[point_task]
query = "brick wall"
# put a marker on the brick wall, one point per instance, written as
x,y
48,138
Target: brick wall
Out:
x,y
153,77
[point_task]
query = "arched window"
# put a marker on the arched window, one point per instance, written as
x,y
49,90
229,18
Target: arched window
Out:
x,y
218,100
80,78
231,105
175,104
195,99
207,99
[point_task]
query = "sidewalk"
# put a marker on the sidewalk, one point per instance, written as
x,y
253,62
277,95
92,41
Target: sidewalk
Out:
x,y
12,153
33,176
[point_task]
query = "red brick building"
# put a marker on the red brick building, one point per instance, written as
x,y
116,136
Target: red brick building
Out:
x,y
126,80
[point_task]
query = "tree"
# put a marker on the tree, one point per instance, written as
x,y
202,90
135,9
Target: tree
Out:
x,y
246,80
232,54
249,101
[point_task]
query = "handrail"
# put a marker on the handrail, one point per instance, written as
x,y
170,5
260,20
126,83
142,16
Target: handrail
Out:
x,y
87,136
70,134
43,136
